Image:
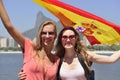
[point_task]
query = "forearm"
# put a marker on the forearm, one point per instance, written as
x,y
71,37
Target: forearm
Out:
x,y
3,14
104,59
18,37
115,56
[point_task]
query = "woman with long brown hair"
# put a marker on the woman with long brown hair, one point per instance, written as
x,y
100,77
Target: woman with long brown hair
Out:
x,y
76,59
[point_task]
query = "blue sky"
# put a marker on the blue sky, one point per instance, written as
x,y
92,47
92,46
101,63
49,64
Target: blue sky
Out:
x,y
23,12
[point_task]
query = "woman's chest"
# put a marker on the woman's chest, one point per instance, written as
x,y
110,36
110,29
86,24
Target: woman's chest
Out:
x,y
72,70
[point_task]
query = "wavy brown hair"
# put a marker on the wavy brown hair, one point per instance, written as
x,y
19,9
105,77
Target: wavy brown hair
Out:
x,y
79,47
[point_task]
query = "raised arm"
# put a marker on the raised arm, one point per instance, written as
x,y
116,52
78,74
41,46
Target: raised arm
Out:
x,y
18,37
104,59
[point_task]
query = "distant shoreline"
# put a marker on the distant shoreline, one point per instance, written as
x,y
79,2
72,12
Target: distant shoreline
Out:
x,y
10,52
16,52
105,52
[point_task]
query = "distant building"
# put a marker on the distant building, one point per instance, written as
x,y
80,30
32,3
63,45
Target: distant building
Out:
x,y
12,43
3,42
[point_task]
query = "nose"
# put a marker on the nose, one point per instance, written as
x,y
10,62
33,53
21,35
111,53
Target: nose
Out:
x,y
68,39
47,35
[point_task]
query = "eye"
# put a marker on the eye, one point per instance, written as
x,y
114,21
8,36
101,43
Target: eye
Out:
x,y
50,33
72,36
68,37
43,33
64,37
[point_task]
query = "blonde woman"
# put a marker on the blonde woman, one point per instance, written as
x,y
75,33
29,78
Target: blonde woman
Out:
x,y
39,62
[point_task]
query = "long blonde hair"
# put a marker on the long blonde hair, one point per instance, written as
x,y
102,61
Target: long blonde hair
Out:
x,y
38,37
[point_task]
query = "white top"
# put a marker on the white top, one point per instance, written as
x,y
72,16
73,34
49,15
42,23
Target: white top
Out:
x,y
72,71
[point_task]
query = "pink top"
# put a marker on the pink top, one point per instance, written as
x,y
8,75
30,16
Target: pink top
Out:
x,y
33,68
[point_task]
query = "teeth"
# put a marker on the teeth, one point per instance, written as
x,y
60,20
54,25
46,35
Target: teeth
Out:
x,y
68,45
46,41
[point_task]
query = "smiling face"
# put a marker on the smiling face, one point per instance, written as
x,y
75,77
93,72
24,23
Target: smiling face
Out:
x,y
68,39
48,35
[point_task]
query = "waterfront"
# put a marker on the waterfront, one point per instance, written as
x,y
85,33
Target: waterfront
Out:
x,y
15,52
10,65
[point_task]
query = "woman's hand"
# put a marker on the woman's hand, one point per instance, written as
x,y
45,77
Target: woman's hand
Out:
x,y
22,75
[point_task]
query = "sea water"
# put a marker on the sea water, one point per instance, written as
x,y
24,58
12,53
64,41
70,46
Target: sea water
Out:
x,y
10,65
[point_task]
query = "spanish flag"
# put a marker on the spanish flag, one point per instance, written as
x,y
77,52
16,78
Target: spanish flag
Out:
x,y
97,30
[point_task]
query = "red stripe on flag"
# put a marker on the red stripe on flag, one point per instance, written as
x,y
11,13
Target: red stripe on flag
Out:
x,y
83,13
92,40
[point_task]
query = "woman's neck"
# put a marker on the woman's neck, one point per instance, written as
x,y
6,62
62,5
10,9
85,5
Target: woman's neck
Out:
x,y
70,53
47,49
48,54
